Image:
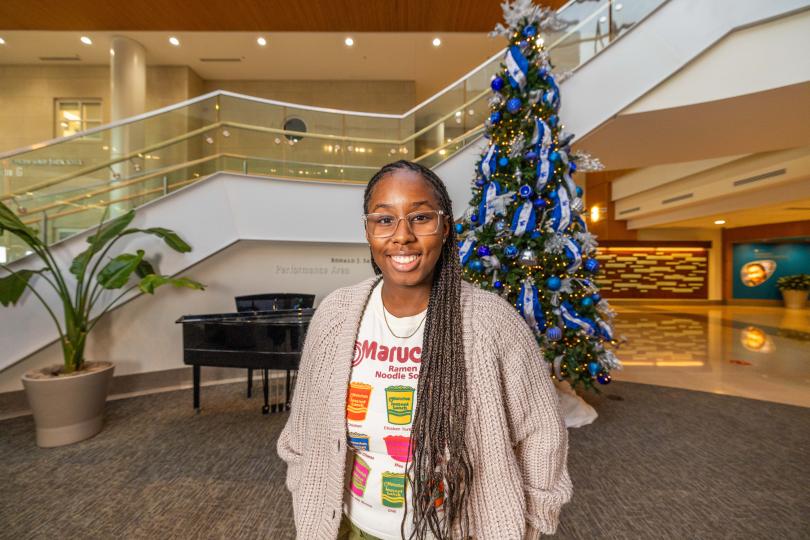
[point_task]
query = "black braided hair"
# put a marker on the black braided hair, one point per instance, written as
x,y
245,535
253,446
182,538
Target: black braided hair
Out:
x,y
441,408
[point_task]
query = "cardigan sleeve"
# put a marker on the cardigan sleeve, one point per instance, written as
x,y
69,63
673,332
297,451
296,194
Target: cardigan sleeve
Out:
x,y
290,445
539,436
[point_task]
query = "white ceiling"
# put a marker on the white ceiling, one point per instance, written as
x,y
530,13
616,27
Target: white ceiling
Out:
x,y
797,210
287,55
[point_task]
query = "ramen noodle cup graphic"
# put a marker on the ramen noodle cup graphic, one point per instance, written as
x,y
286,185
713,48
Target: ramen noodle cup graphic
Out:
x,y
357,401
360,473
358,441
399,400
398,447
393,489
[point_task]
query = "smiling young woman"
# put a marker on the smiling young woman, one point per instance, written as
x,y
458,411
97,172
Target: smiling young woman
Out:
x,y
423,406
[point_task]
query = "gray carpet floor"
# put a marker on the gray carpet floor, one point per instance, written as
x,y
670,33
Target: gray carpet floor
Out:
x,y
658,463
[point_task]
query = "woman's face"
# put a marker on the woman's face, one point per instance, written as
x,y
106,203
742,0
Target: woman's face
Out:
x,y
404,258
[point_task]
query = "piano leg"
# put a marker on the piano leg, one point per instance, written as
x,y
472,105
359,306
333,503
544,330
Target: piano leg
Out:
x,y
196,375
287,393
266,381
250,383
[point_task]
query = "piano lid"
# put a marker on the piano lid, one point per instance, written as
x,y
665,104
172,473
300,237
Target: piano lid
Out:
x,y
300,316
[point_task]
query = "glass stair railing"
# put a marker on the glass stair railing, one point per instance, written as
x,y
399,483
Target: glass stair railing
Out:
x,y
62,187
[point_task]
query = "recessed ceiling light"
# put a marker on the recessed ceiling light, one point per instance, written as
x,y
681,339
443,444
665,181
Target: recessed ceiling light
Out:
x,y
112,52
349,42
261,41
436,42
174,41
719,221
86,40
2,41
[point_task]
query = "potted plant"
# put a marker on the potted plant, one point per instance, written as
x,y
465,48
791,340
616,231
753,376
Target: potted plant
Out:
x,y
68,400
794,290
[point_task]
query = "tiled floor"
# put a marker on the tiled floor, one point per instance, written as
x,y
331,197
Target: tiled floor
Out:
x,y
753,352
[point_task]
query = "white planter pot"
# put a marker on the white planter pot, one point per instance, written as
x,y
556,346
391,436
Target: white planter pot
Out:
x,y
794,299
68,408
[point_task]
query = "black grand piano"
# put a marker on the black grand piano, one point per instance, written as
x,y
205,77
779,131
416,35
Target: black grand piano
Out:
x,y
268,338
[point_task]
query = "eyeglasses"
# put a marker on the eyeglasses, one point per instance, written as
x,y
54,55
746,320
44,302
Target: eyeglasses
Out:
x,y
420,223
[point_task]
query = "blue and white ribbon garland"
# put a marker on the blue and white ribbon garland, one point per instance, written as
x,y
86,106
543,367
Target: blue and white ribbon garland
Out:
x,y
575,321
528,303
525,219
605,330
517,67
561,212
544,168
541,135
489,162
465,250
573,253
486,210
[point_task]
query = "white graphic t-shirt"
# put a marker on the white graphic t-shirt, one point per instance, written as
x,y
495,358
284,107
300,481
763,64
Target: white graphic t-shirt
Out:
x,y
379,413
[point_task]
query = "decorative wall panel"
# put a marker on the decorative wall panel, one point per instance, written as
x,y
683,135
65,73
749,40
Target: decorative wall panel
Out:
x,y
647,270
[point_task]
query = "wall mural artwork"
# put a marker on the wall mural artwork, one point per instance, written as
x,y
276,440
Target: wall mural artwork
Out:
x,y
756,267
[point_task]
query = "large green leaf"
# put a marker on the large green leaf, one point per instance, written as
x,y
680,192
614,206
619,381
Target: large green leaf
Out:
x,y
99,240
81,261
117,272
171,238
152,282
13,286
144,269
10,222
111,230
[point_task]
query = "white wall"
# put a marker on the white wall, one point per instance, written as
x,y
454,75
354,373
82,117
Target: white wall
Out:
x,y
142,336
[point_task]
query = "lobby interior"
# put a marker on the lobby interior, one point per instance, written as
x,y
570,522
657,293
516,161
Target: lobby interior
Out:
x,y
246,129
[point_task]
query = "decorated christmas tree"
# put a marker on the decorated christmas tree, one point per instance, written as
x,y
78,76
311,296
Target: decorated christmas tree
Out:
x,y
524,236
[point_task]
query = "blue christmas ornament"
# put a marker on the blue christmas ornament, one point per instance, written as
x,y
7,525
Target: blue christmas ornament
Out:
x,y
511,251
525,191
593,368
554,283
474,218
504,161
536,234
479,182
495,117
498,284
523,44
459,228
552,120
572,166
500,225
540,202
483,251
586,302
531,155
603,378
504,268
554,334
513,105
579,191
529,31
476,266
596,297
554,156
552,195
592,266
496,84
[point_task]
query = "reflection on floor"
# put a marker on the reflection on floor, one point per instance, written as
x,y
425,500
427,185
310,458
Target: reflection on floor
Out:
x,y
754,352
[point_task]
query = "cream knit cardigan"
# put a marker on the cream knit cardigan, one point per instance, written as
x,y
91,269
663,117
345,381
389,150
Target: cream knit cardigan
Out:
x,y
517,442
